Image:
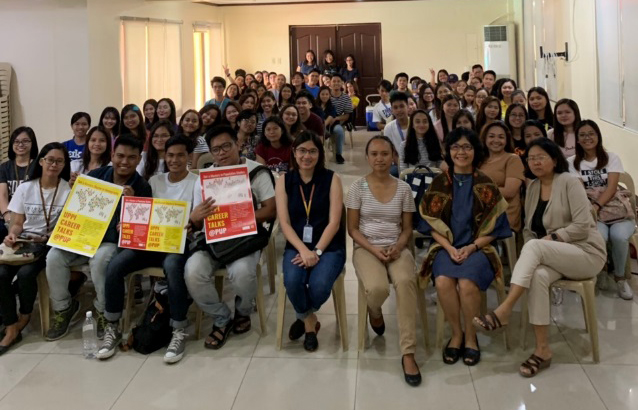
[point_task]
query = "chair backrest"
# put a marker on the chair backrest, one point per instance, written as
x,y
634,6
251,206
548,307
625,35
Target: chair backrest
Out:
x,y
628,182
408,171
205,160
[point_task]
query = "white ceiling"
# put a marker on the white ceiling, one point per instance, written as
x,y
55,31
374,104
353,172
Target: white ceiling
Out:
x,y
243,2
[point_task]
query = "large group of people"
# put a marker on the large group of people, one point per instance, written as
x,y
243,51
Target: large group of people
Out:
x,y
507,163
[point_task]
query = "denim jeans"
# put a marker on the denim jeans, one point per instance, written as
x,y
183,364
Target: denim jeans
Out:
x,y
58,270
27,280
128,261
619,234
340,137
308,289
242,274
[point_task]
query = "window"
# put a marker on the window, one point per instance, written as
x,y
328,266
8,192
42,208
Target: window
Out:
x,y
151,56
207,55
617,62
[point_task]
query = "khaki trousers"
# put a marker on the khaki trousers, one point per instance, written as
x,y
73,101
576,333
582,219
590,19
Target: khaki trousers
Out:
x,y
542,263
373,274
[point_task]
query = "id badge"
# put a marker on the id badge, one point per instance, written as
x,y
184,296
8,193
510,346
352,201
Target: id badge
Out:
x,y
307,234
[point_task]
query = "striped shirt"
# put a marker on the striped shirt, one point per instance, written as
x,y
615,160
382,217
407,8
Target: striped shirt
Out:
x,y
380,223
342,104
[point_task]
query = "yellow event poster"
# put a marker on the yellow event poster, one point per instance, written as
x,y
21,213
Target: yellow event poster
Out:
x,y
154,224
86,216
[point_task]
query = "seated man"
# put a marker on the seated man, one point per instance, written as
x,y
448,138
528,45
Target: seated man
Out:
x,y
304,103
127,154
242,273
176,184
343,107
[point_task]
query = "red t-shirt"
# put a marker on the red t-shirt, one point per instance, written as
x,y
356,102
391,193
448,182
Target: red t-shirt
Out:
x,y
277,159
314,123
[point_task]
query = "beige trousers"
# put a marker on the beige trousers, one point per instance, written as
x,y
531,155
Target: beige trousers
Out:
x,y
373,274
542,263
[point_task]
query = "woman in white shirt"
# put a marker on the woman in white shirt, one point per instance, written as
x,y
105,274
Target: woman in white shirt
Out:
x,y
600,171
421,145
152,162
35,206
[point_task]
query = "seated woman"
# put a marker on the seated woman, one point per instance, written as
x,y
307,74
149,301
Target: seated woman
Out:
x,y
292,120
35,208
600,171
465,212
515,118
247,134
152,162
380,209
273,148
561,241
133,122
504,168
489,112
97,154
309,202
421,145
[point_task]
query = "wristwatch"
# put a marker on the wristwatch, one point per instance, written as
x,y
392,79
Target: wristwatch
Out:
x,y
318,251
554,237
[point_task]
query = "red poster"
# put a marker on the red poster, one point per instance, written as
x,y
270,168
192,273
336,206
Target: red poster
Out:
x,y
234,214
135,219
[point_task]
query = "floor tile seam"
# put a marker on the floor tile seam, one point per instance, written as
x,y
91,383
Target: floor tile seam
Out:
x,y
478,402
44,356
241,384
129,382
594,387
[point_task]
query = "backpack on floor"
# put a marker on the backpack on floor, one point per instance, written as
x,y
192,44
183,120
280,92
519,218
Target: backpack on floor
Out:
x,y
155,331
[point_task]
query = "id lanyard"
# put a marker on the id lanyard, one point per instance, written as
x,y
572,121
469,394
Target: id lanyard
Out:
x,y
307,230
47,218
400,131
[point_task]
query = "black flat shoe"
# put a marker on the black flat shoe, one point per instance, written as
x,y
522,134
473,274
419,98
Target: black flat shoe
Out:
x,y
297,330
5,349
311,343
472,357
411,379
379,330
452,355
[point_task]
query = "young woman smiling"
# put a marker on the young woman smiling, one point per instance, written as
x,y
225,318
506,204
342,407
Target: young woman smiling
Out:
x,y
566,119
489,112
97,154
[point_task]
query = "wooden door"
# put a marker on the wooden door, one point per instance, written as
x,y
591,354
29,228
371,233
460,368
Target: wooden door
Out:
x,y
361,40
364,42
315,38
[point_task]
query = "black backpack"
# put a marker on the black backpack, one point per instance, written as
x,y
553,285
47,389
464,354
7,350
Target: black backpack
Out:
x,y
154,332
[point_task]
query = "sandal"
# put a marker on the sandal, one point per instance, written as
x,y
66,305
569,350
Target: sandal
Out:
x,y
310,342
534,364
481,323
451,355
215,341
471,357
241,324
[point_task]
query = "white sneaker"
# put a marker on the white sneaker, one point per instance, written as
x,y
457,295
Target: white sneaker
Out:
x,y
176,348
624,290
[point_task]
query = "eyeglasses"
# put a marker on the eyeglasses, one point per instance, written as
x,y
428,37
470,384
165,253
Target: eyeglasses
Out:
x,y
537,158
250,122
302,151
224,147
52,161
22,142
587,136
464,148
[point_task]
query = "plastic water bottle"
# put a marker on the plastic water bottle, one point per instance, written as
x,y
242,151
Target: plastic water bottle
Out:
x,y
89,336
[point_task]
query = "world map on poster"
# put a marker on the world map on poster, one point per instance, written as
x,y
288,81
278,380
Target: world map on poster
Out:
x,y
167,215
136,213
92,203
227,190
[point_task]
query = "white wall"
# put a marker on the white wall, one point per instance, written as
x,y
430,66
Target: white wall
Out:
x,y
48,48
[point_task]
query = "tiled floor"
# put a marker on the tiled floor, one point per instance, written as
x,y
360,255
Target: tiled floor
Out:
x,y
250,373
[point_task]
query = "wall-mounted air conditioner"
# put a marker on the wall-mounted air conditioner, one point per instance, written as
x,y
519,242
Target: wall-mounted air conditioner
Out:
x,y
499,50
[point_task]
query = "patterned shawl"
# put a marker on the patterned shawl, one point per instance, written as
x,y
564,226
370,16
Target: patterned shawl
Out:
x,y
436,210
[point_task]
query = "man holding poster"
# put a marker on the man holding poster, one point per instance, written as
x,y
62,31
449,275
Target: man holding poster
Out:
x,y
177,184
242,272
125,157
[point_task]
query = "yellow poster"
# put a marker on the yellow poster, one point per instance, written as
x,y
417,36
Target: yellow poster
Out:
x,y
86,216
154,224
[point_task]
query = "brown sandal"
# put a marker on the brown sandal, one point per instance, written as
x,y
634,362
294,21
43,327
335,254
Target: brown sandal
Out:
x,y
534,364
481,323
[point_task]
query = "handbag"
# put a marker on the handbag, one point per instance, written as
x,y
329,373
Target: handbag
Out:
x,y
617,209
419,180
24,251
231,250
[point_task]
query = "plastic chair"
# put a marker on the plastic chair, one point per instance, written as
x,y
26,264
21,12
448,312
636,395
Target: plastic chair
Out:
x,y
587,291
628,182
205,160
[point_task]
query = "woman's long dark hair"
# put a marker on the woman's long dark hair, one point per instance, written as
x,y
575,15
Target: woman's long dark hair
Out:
x,y
105,157
533,115
432,145
36,170
116,114
281,103
285,139
509,145
421,103
140,129
318,99
508,113
559,129
152,156
481,119
306,136
463,113
34,142
218,117
314,57
298,126
268,94
197,132
173,117
147,122
443,118
601,154
437,103
499,93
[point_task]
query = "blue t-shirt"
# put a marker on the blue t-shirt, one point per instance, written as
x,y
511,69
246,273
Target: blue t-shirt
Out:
x,y
221,104
313,90
75,150
305,68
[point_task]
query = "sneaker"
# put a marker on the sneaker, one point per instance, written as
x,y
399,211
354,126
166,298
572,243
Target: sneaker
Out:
x,y
176,348
340,159
624,290
62,320
111,340
557,296
101,324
